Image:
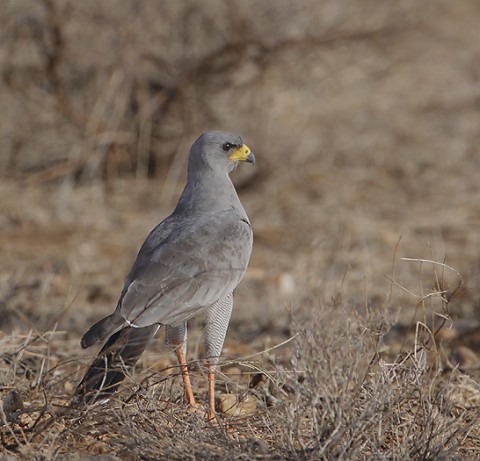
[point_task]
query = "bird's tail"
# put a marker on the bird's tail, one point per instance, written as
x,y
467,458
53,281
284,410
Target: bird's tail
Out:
x,y
102,330
121,351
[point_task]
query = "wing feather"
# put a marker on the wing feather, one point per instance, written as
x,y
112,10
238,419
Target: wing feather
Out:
x,y
199,263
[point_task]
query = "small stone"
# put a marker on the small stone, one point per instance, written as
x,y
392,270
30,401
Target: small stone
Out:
x,y
68,387
286,283
465,357
230,404
231,371
236,374
11,403
162,365
446,334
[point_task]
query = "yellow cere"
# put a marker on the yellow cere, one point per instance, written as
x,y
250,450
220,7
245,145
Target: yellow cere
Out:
x,y
240,153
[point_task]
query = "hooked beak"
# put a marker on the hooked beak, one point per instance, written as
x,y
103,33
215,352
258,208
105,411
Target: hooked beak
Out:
x,y
243,154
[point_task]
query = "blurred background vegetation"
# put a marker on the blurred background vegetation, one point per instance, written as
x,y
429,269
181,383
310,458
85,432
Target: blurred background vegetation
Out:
x,y
364,118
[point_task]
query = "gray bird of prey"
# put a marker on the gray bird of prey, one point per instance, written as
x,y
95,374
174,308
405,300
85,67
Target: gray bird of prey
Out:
x,y
188,265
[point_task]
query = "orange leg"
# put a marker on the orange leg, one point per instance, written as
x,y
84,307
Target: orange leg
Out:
x,y
185,377
211,392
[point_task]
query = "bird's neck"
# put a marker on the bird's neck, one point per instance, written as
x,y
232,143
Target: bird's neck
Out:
x,y
209,193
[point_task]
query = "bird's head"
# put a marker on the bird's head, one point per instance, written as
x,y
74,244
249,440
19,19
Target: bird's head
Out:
x,y
219,150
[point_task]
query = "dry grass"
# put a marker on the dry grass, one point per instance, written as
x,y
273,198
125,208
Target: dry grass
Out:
x,y
365,273
332,392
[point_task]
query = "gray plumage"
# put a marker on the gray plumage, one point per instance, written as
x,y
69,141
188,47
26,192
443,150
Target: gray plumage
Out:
x,y
189,264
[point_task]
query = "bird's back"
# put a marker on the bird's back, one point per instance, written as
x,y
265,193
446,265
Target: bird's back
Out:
x,y
186,265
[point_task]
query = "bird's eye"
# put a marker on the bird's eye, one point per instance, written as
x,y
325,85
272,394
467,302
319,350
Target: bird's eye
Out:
x,y
227,146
